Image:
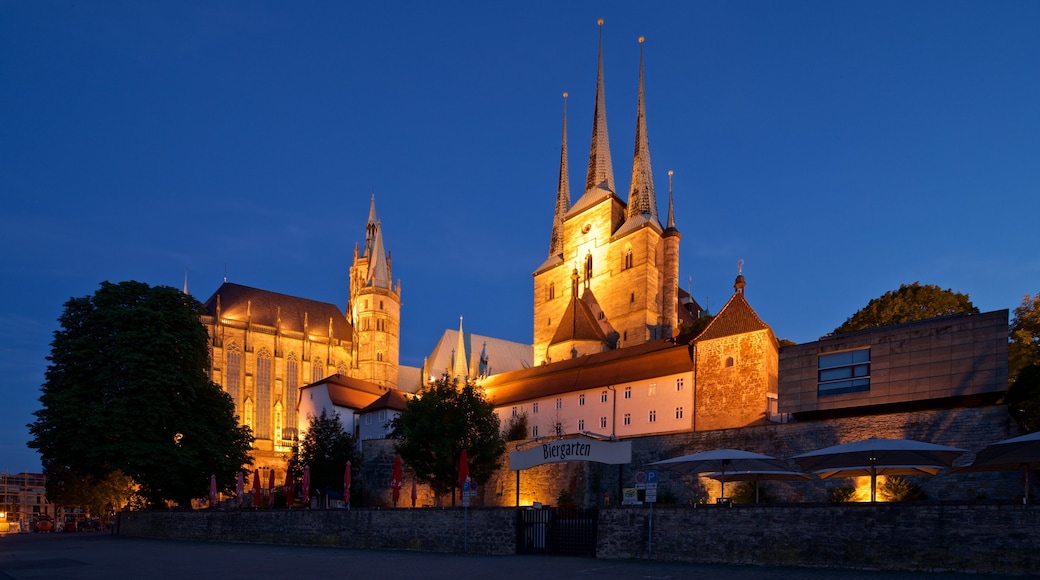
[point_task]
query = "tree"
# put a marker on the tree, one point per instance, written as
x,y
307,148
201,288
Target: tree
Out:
x,y
126,392
1024,345
326,448
446,417
909,303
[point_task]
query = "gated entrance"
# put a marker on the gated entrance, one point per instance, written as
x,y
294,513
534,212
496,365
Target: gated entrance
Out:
x,y
562,531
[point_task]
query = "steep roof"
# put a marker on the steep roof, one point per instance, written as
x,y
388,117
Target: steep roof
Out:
x,y
736,317
644,361
348,392
578,323
246,304
393,399
502,355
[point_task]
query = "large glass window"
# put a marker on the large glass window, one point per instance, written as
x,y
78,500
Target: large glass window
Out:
x,y
844,372
262,428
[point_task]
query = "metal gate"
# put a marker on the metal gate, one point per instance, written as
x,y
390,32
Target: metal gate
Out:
x,y
562,531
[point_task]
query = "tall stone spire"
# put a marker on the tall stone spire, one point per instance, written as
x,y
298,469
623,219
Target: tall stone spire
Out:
x,y
601,170
563,192
460,366
641,197
378,265
671,205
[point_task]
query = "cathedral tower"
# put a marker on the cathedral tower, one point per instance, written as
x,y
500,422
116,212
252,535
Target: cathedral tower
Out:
x,y
375,309
624,265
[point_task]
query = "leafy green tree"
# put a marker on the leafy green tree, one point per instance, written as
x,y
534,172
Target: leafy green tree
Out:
x,y
126,392
909,303
516,428
326,448
446,417
97,497
1024,348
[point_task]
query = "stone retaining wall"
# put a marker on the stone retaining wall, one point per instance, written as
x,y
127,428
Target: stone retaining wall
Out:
x,y
983,538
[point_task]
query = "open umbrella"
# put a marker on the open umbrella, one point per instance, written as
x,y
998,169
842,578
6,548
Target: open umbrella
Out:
x,y
758,476
239,488
212,491
724,461
878,456
346,484
415,491
289,488
395,479
1018,453
256,488
305,493
463,471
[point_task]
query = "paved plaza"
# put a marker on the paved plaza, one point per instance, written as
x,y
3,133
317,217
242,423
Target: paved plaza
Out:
x,y
101,555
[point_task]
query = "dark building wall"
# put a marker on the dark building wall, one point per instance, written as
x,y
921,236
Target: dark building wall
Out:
x,y
941,358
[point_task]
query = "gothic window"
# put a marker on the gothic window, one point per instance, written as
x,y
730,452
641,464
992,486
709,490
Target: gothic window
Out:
x,y
317,370
292,386
341,368
247,412
262,430
588,266
234,372
628,258
379,356
551,291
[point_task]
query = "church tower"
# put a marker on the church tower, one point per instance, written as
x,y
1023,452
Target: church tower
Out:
x,y
375,309
611,255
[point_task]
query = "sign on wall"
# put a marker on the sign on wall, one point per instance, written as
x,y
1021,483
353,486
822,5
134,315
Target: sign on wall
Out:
x,y
572,449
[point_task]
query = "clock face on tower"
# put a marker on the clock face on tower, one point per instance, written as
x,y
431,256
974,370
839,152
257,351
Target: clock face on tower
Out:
x,y
585,228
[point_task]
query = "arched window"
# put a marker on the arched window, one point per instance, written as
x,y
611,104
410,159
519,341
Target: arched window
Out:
x,y
292,388
233,377
729,361
317,370
262,429
278,422
247,412
379,356
628,257
588,266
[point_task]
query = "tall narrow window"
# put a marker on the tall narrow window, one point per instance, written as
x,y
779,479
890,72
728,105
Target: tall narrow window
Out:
x,y
679,384
233,380
317,370
262,429
603,397
292,391
628,392
588,267
603,422
581,425
678,413
628,258
551,291
534,408
247,412
279,427
581,400
653,416
559,403
627,420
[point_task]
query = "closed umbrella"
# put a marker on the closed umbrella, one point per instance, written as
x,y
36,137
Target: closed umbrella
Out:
x,y
256,488
305,493
240,488
395,479
346,484
463,471
1018,453
270,489
878,456
723,461
212,491
290,492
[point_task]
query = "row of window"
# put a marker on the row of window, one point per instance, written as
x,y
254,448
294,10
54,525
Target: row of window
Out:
x,y
843,372
550,288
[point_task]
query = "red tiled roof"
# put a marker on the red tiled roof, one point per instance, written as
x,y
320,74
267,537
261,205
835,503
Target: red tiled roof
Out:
x,y
736,317
393,399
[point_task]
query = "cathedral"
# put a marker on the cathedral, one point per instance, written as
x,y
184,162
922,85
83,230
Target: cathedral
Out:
x,y
608,317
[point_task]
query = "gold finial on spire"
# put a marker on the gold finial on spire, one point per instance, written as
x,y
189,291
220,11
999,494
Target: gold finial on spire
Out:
x,y
641,39
600,22
565,94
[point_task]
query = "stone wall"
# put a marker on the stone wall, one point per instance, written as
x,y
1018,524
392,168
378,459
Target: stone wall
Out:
x,y
980,537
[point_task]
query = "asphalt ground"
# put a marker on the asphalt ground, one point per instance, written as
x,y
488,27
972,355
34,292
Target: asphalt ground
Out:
x,y
101,555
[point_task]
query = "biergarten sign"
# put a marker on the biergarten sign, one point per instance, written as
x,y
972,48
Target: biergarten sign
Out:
x,y
571,449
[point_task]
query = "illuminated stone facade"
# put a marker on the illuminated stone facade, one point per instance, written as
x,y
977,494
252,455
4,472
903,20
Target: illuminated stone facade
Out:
x,y
266,346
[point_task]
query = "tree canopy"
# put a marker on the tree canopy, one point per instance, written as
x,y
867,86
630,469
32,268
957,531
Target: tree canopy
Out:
x,y
1024,364
446,417
126,392
911,302
326,448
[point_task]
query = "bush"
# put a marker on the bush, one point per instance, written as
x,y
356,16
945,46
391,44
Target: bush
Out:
x,y
899,489
843,493
744,492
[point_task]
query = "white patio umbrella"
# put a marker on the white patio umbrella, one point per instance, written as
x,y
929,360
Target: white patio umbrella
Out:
x,y
758,476
724,461
1017,453
878,456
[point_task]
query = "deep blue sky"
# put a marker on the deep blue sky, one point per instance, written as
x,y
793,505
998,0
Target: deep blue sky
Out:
x,y
839,148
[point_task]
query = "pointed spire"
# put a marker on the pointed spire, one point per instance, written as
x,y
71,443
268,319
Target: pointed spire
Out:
x,y
186,282
739,284
641,197
460,369
601,170
378,266
671,204
563,192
